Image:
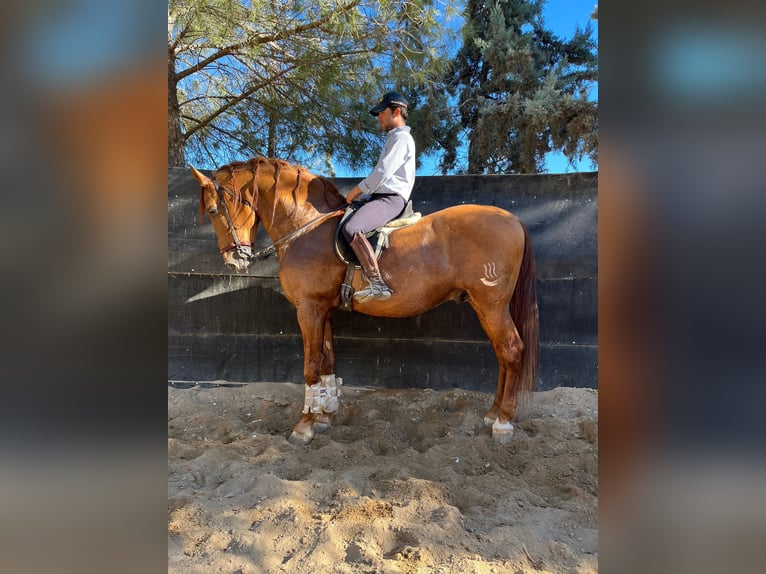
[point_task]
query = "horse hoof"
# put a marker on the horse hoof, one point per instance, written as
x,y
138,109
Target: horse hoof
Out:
x,y
490,418
321,422
502,433
300,439
320,428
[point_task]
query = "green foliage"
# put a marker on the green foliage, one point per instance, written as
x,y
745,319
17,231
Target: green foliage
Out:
x,y
293,78
521,91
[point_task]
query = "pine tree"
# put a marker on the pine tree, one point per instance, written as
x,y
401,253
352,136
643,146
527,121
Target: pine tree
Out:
x,y
522,91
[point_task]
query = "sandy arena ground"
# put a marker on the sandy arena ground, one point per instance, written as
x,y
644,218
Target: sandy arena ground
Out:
x,y
407,481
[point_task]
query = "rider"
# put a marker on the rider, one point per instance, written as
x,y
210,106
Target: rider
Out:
x,y
385,191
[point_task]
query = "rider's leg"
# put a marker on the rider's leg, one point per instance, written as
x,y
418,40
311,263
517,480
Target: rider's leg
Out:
x,y
377,288
377,212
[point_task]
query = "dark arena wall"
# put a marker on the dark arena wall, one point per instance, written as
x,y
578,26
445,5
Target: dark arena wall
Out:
x,y
223,326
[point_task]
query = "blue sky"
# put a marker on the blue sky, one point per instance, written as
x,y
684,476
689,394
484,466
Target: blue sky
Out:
x,y
562,16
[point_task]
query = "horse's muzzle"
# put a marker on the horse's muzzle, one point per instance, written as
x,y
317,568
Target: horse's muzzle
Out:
x,y
238,259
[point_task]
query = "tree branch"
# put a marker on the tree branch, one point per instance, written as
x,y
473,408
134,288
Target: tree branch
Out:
x,y
270,80
260,39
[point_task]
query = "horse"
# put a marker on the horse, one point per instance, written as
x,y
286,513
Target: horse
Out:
x,y
477,254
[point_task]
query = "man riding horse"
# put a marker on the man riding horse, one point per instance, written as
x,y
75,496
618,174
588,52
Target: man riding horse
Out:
x,y
478,254
385,191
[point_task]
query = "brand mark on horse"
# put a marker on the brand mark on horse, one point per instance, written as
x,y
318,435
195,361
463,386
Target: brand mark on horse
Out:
x,y
490,278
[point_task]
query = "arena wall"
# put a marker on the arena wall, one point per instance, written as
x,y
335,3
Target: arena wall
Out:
x,y
223,326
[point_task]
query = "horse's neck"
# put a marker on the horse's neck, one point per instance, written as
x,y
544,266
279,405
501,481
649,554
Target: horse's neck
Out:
x,y
286,215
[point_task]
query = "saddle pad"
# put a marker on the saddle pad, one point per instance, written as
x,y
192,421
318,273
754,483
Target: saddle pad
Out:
x,y
403,221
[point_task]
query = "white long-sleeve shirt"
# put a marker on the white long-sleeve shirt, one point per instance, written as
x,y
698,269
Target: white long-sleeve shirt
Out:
x,y
395,170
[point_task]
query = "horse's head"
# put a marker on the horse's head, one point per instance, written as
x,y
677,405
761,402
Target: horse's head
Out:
x,y
231,212
208,196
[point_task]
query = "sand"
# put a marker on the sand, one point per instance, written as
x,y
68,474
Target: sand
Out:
x,y
407,481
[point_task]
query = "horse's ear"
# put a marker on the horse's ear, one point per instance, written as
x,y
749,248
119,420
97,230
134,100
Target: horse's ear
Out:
x,y
200,177
205,183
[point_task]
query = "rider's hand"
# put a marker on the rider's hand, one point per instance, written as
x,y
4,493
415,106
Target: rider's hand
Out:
x,y
353,194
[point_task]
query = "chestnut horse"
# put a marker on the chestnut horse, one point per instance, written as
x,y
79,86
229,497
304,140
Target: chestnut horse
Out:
x,y
474,253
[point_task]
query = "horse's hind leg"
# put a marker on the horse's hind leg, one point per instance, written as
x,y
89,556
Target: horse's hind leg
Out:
x,y
506,342
491,415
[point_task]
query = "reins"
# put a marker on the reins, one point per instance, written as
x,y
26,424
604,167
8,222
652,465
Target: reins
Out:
x,y
272,249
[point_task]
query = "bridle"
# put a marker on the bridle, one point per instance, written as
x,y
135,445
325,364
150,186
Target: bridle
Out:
x,y
244,248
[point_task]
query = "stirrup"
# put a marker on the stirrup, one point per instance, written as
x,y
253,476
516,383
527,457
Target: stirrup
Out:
x,y
373,291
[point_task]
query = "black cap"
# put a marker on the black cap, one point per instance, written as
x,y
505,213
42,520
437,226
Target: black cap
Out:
x,y
389,99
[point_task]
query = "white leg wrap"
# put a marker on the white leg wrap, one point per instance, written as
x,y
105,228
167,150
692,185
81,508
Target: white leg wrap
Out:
x,y
331,383
502,433
502,427
323,396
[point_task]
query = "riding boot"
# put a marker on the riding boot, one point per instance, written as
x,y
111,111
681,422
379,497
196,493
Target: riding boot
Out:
x,y
377,288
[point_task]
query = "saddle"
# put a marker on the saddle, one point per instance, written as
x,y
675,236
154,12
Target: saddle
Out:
x,y
378,238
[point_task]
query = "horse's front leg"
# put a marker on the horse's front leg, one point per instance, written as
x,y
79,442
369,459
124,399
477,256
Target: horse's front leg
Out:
x,y
328,346
321,391
327,388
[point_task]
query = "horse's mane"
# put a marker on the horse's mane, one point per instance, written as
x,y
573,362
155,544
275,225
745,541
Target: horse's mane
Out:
x,y
301,185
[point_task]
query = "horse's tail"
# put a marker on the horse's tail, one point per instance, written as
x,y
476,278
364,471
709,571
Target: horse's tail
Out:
x,y
525,316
